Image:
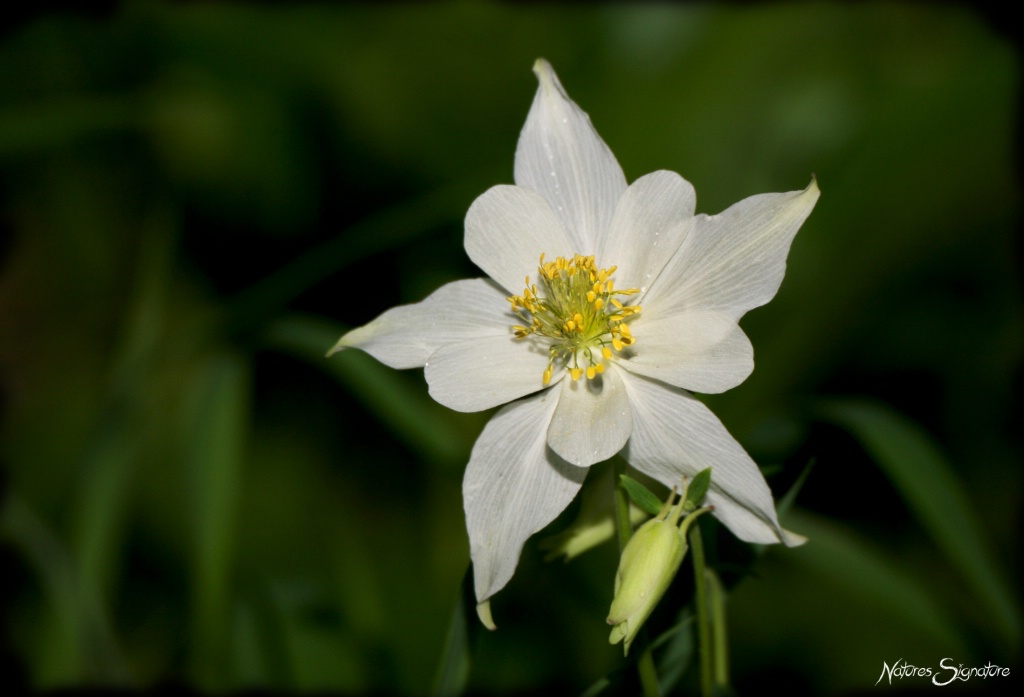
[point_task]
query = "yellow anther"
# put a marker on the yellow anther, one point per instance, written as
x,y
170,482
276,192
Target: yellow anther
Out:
x,y
568,311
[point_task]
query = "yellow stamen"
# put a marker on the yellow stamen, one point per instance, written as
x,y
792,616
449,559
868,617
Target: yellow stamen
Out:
x,y
575,312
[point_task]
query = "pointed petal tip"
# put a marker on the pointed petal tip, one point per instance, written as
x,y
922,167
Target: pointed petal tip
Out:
x,y
548,79
543,70
792,539
340,346
483,611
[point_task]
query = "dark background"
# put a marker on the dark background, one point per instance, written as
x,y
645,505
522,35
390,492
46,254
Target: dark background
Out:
x,y
197,200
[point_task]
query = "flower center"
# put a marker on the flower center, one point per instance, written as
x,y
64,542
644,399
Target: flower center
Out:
x,y
577,310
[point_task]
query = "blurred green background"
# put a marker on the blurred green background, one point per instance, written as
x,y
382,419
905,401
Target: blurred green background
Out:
x,y
197,200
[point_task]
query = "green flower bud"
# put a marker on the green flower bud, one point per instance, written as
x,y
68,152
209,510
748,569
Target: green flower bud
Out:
x,y
585,533
648,564
594,525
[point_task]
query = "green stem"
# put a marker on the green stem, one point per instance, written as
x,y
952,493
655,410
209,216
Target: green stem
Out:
x,y
718,629
648,673
623,525
707,678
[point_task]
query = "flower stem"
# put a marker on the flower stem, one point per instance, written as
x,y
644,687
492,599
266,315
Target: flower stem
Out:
x,y
623,525
648,673
707,676
718,630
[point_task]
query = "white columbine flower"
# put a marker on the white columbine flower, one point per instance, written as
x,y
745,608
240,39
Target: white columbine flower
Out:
x,y
604,307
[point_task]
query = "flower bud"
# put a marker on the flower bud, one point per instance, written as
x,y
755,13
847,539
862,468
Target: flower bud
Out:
x,y
585,533
648,564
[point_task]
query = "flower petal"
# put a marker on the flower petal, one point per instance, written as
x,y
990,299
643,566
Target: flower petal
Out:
x,y
486,371
562,158
675,435
650,221
507,229
700,351
593,419
405,336
513,487
734,261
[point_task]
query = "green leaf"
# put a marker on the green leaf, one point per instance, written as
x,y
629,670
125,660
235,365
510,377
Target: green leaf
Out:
x,y
414,417
75,635
786,502
218,404
855,568
389,228
599,686
457,656
928,484
678,654
697,490
641,495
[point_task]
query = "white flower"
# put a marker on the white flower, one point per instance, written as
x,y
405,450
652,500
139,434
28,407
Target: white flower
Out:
x,y
585,378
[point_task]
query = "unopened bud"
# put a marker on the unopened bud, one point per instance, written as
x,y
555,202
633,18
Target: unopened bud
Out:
x,y
648,564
